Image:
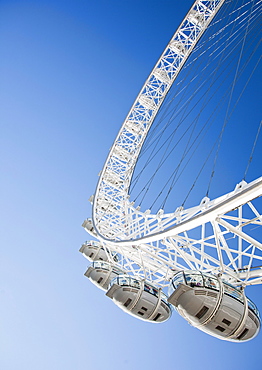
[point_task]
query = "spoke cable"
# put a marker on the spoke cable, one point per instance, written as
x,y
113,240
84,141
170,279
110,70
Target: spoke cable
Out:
x,y
226,119
149,182
183,109
252,151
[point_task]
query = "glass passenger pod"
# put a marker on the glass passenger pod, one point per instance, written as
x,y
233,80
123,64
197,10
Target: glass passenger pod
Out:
x,y
89,227
214,306
94,251
101,273
140,299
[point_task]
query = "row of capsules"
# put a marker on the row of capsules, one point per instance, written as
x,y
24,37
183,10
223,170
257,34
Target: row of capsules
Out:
x,y
133,295
206,301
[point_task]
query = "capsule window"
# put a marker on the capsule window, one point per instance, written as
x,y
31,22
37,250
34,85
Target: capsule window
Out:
x,y
127,302
218,327
227,322
140,313
157,317
200,292
178,279
194,279
244,332
100,280
144,308
91,255
202,312
211,282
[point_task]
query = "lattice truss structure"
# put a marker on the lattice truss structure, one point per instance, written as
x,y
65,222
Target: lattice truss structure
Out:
x,y
220,236
209,236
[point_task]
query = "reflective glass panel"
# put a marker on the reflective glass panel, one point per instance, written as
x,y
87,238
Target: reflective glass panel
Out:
x,y
122,280
150,289
116,270
194,279
128,281
253,307
233,292
135,283
113,281
100,264
211,282
176,281
163,297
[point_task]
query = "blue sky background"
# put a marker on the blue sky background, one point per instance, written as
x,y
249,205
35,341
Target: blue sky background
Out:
x,y
69,72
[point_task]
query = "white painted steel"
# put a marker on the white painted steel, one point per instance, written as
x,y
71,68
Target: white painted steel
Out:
x,y
155,246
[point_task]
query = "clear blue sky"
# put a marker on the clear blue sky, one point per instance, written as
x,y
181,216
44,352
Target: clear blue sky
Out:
x,y
69,72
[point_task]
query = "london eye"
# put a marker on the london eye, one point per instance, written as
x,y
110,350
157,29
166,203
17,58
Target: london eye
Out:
x,y
152,259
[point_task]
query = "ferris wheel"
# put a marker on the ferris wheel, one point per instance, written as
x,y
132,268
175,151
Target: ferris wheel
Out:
x,y
203,255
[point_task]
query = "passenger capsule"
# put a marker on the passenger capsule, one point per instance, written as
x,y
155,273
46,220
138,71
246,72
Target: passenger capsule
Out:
x,y
101,273
89,227
214,306
94,251
139,298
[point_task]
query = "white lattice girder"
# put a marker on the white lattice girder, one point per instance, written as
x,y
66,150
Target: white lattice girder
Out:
x,y
214,236
115,177
183,220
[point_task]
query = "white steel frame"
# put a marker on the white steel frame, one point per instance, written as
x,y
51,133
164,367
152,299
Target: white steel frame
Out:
x,y
155,246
